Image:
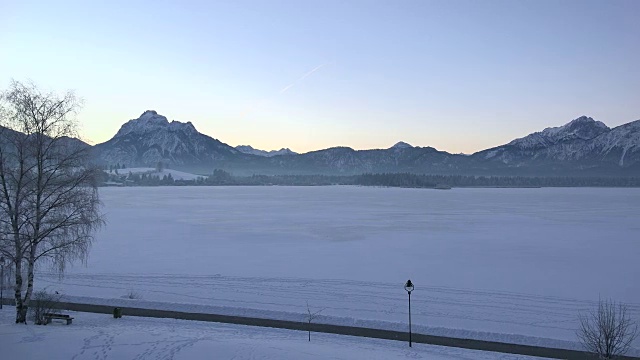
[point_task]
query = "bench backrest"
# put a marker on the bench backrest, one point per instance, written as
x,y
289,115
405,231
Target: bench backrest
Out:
x,y
57,315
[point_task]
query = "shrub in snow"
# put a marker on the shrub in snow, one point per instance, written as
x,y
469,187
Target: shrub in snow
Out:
x,y
42,303
607,331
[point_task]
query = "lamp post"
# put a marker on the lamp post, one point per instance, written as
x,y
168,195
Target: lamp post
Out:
x,y
409,287
1,281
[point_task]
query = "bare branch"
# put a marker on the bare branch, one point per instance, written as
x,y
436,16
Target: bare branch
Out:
x,y
607,331
49,204
312,316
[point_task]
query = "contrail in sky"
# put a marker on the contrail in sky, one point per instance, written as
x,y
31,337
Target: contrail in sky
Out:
x,y
284,89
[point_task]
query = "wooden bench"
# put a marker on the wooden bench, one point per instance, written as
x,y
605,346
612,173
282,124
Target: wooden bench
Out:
x,y
49,316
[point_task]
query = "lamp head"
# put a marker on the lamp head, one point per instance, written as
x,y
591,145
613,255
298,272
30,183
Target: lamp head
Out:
x,y
408,286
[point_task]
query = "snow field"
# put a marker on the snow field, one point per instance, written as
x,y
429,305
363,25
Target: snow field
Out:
x,y
514,265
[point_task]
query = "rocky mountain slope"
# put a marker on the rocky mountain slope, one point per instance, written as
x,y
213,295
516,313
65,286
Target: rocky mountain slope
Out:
x,y
151,138
581,145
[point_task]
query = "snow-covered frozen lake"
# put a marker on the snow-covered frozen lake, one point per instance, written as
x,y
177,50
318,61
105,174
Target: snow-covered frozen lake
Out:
x,y
485,262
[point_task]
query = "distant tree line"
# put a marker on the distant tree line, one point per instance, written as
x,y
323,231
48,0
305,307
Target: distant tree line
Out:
x,y
396,180
529,181
112,167
416,180
221,177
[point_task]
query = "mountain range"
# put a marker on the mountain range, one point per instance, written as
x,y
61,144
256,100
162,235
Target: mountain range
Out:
x,y
582,147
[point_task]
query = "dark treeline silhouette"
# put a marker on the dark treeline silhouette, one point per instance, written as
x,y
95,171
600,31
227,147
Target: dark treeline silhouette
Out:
x,y
427,181
221,177
396,180
532,181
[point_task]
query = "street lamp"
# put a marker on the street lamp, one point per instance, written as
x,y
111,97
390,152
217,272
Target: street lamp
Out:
x,y
409,287
1,281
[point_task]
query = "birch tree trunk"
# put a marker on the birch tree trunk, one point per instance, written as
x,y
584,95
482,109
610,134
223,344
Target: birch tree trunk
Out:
x,y
21,315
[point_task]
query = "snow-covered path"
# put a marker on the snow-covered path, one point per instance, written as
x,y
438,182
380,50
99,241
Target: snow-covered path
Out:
x,y
100,337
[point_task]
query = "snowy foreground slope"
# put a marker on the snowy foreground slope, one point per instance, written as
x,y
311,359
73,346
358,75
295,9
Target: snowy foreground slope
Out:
x,y
98,336
513,265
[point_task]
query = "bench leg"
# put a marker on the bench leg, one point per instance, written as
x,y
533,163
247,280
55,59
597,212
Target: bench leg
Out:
x,y
68,321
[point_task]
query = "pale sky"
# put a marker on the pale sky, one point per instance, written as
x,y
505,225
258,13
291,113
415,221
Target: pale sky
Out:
x,y
460,76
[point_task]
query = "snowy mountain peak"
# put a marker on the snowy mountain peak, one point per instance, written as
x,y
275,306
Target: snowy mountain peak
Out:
x,y
401,145
152,138
585,127
151,121
582,128
248,149
148,113
180,126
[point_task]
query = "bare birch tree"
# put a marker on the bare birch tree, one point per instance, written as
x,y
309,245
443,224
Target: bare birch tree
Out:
x,y
607,331
49,205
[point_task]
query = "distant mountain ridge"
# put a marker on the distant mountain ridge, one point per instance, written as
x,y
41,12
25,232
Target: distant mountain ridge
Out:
x,y
583,146
248,149
582,143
